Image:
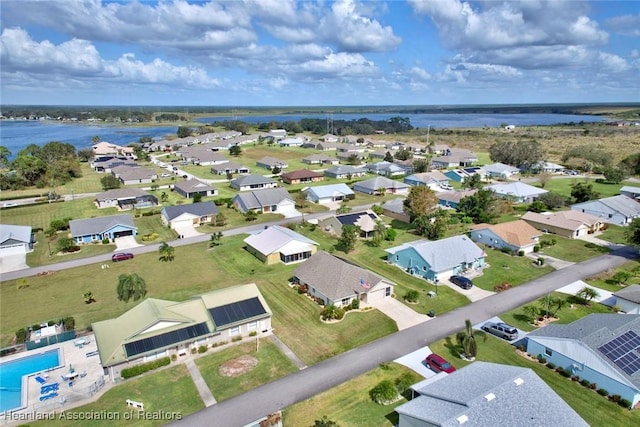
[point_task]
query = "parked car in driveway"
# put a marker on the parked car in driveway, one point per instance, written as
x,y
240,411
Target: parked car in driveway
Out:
x,y
501,330
121,256
438,363
461,281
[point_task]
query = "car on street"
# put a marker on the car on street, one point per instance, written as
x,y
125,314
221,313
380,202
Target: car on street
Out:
x,y
121,256
461,281
501,330
165,175
438,363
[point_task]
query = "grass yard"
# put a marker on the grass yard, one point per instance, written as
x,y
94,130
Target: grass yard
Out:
x,y
41,256
515,270
562,185
167,391
40,216
574,250
349,404
595,409
153,224
272,364
520,320
605,280
614,234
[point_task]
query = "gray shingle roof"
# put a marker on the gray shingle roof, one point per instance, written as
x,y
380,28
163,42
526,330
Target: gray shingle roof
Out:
x,y
322,191
334,277
259,198
15,233
199,209
443,254
395,205
193,185
83,227
487,395
630,293
251,180
379,182
622,204
519,189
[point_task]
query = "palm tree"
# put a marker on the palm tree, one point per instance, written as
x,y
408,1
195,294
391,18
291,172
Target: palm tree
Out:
x,y
88,297
166,252
531,311
588,294
215,239
131,286
467,339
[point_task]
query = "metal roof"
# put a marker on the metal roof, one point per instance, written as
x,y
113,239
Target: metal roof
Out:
x,y
274,238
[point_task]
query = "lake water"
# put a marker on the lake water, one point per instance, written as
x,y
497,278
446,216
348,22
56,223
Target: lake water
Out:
x,y
17,134
437,121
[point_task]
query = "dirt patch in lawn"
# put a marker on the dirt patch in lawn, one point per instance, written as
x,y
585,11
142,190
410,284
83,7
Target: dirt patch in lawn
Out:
x,y
238,366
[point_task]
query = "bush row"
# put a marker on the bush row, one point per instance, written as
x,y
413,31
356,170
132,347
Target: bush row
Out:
x,y
144,367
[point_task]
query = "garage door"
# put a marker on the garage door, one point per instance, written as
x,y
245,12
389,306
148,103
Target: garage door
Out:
x,y
176,224
122,234
376,295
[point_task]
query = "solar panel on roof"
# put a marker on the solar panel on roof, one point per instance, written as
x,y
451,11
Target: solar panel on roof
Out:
x,y
236,311
166,339
624,352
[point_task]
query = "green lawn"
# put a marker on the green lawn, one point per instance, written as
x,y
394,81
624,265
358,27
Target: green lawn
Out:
x,y
349,403
170,392
604,280
45,251
614,234
562,185
503,268
40,216
272,364
574,250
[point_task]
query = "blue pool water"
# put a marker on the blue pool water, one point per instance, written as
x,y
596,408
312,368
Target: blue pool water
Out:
x,y
11,374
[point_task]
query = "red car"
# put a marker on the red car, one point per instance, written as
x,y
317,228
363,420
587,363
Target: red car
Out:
x,y
122,256
439,364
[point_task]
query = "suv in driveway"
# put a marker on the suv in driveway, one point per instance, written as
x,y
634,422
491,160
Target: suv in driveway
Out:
x,y
121,256
501,330
437,363
461,281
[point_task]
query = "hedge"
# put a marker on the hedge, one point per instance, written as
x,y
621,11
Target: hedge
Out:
x,y
144,367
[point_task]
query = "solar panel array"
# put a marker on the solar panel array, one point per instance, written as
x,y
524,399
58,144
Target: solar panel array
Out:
x,y
166,339
236,311
624,351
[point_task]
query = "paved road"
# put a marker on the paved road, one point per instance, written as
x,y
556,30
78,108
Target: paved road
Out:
x,y
304,384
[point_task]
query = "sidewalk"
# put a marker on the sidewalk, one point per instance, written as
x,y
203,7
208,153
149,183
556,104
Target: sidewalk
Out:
x,y
287,352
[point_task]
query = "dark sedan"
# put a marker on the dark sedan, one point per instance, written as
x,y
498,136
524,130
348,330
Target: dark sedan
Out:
x,y
461,281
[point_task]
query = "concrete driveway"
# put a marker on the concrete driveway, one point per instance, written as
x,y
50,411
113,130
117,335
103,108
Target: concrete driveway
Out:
x,y
474,294
186,230
403,315
13,262
126,242
604,297
415,361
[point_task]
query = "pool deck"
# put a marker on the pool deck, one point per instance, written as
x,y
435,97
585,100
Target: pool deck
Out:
x,y
70,355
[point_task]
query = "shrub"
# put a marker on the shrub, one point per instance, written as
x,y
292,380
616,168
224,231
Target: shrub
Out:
x,y
391,234
144,367
202,349
355,304
412,296
174,357
616,398
540,261
551,365
302,289
536,248
218,344
384,366
69,323
559,369
253,333
565,373
403,382
575,378
502,287
384,392
541,359
194,350
21,335
593,386
625,403
236,339
106,241
520,253
585,383
603,392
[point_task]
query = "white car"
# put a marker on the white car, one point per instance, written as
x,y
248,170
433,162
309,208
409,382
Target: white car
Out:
x,y
165,175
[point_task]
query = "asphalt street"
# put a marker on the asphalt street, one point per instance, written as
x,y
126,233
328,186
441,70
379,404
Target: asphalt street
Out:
x,y
271,397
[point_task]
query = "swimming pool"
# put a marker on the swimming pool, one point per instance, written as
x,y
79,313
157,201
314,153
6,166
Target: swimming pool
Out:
x,y
11,374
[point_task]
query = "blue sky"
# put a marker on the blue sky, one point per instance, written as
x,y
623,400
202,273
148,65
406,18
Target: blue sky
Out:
x,y
318,53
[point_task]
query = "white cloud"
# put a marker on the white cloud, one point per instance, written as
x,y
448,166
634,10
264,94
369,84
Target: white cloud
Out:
x,y
80,60
340,64
628,25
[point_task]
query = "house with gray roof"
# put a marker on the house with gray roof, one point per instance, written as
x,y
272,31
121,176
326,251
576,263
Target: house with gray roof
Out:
x,y
570,224
618,210
518,192
385,168
339,282
320,159
202,155
500,170
451,199
192,214
366,220
485,394
270,200
129,175
628,299
329,193
191,187
395,209
161,328
125,199
14,237
633,192
374,185
433,179
269,162
603,349
253,182
280,244
229,168
437,260
344,171
454,157
88,230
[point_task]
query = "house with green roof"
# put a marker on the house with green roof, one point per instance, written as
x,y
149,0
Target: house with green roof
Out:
x,y
158,328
